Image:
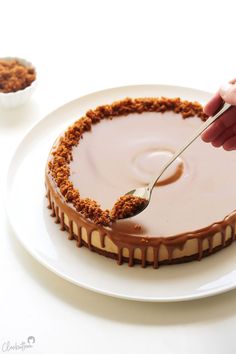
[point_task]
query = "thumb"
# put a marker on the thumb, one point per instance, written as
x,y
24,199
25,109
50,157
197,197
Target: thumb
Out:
x,y
228,93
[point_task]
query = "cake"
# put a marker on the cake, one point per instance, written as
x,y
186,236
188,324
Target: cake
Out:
x,y
117,147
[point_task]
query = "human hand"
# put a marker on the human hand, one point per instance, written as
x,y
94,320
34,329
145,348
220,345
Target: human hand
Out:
x,y
223,131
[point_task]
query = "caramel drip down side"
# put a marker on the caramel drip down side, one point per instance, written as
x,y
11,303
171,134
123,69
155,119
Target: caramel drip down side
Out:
x,y
79,239
89,235
155,257
200,249
143,257
131,257
102,239
223,238
53,209
62,221
57,221
71,230
120,258
210,242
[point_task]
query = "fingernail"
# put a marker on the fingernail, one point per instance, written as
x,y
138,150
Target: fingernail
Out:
x,y
228,93
224,89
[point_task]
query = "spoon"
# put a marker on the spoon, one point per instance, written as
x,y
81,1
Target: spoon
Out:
x,y
146,192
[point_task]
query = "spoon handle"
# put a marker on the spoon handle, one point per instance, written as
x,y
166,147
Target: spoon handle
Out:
x,y
201,129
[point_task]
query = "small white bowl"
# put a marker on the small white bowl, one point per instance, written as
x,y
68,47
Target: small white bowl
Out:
x,y
15,99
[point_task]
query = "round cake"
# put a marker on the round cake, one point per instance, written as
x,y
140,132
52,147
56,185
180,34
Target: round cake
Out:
x,y
118,147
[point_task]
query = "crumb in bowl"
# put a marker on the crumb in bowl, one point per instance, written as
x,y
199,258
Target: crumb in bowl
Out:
x,y
14,76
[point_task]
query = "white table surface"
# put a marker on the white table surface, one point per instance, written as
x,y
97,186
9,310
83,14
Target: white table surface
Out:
x,y
79,47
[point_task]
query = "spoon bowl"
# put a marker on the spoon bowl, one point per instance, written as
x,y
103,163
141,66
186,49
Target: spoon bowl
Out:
x,y
144,193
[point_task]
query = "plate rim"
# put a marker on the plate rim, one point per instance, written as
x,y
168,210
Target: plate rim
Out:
x,y
42,261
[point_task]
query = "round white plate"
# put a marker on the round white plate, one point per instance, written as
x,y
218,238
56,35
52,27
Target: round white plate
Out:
x,y
36,230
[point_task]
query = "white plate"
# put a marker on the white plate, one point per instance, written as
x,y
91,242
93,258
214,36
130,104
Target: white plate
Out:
x,y
38,233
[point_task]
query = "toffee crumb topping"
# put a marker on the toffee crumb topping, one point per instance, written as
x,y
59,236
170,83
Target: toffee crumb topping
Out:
x,y
58,166
127,206
14,76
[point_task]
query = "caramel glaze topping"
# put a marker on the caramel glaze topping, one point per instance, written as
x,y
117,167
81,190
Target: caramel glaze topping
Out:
x,y
65,199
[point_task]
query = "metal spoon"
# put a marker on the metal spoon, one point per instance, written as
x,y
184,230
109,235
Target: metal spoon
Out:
x,y
146,192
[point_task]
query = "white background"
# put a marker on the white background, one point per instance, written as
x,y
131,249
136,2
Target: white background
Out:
x,y
79,47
